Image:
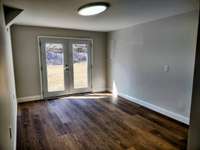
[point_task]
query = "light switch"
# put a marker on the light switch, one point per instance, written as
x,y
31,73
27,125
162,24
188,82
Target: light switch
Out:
x,y
166,68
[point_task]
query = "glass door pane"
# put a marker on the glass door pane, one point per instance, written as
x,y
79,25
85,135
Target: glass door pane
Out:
x,y
55,67
80,62
55,72
80,65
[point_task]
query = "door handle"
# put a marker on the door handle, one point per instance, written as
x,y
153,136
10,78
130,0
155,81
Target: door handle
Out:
x,y
66,67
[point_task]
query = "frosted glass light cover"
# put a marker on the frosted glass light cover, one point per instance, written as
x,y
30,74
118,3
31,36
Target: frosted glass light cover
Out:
x,y
91,10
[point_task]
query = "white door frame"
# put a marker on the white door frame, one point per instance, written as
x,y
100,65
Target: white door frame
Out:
x,y
68,38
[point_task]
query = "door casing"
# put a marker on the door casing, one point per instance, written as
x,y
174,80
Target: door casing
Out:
x,y
41,59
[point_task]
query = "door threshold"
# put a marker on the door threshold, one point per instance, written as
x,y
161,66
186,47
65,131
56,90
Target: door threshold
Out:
x,y
67,95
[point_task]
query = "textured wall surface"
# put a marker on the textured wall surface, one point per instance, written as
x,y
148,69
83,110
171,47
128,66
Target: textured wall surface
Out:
x,y
26,57
8,102
154,62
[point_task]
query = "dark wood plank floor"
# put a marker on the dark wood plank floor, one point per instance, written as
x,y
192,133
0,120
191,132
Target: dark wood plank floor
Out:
x,y
95,122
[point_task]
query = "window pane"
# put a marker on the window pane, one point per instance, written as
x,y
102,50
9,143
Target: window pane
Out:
x,y
80,65
55,64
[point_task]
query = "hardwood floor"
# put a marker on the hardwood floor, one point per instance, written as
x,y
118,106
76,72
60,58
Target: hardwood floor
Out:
x,y
95,122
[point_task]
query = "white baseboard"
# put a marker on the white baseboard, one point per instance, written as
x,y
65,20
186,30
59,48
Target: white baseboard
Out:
x,y
29,98
157,108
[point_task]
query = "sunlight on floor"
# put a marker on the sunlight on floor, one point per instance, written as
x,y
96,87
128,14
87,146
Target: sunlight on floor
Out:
x,y
89,96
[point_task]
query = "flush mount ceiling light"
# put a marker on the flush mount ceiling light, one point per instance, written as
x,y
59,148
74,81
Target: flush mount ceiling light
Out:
x,y
93,8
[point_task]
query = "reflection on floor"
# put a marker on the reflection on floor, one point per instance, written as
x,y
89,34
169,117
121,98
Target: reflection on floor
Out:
x,y
95,121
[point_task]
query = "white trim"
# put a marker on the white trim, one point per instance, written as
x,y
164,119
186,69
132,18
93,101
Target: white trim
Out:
x,y
65,38
157,108
40,67
29,98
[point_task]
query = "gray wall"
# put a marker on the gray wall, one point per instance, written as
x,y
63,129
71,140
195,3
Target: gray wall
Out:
x,y
26,60
8,102
137,56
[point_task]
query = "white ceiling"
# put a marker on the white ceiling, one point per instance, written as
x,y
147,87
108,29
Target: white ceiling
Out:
x,y
122,13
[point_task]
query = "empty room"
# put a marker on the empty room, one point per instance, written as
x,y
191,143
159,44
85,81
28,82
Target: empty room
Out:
x,y
99,75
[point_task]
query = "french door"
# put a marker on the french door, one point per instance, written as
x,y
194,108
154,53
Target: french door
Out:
x,y
65,66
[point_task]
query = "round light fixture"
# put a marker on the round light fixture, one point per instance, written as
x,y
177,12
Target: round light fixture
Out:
x,y
93,8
